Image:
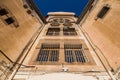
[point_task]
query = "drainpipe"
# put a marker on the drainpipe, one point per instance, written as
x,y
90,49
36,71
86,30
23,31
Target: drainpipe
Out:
x,y
25,51
108,71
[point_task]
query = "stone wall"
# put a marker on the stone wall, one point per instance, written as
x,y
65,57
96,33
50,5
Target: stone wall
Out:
x,y
12,39
105,32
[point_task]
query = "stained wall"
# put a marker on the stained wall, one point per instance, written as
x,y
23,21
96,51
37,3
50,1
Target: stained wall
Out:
x,y
105,32
13,40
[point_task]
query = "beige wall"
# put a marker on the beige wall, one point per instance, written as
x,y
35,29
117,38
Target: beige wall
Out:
x,y
105,32
13,40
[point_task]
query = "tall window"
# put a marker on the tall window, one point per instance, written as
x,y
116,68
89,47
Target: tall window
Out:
x,y
49,52
3,12
53,31
74,53
69,31
103,12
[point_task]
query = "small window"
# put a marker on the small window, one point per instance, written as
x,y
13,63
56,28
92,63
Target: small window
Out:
x,y
69,31
29,11
53,31
25,6
103,12
3,12
9,20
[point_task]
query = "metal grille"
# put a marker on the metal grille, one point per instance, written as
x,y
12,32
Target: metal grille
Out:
x,y
69,31
54,55
79,56
53,31
69,56
43,55
49,52
75,53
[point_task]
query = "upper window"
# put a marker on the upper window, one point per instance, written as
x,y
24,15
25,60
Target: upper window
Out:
x,y
66,31
75,6
69,31
53,31
103,12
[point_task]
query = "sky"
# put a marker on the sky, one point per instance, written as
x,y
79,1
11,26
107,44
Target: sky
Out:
x,y
75,6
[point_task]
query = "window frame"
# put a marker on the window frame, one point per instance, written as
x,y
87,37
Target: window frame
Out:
x,y
103,11
53,31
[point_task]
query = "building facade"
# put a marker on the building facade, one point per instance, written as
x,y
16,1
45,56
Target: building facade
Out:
x,y
85,47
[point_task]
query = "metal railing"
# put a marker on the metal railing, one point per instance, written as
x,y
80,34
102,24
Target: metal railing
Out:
x,y
5,65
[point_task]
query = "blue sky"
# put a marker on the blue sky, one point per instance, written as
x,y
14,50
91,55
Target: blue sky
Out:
x,y
46,6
